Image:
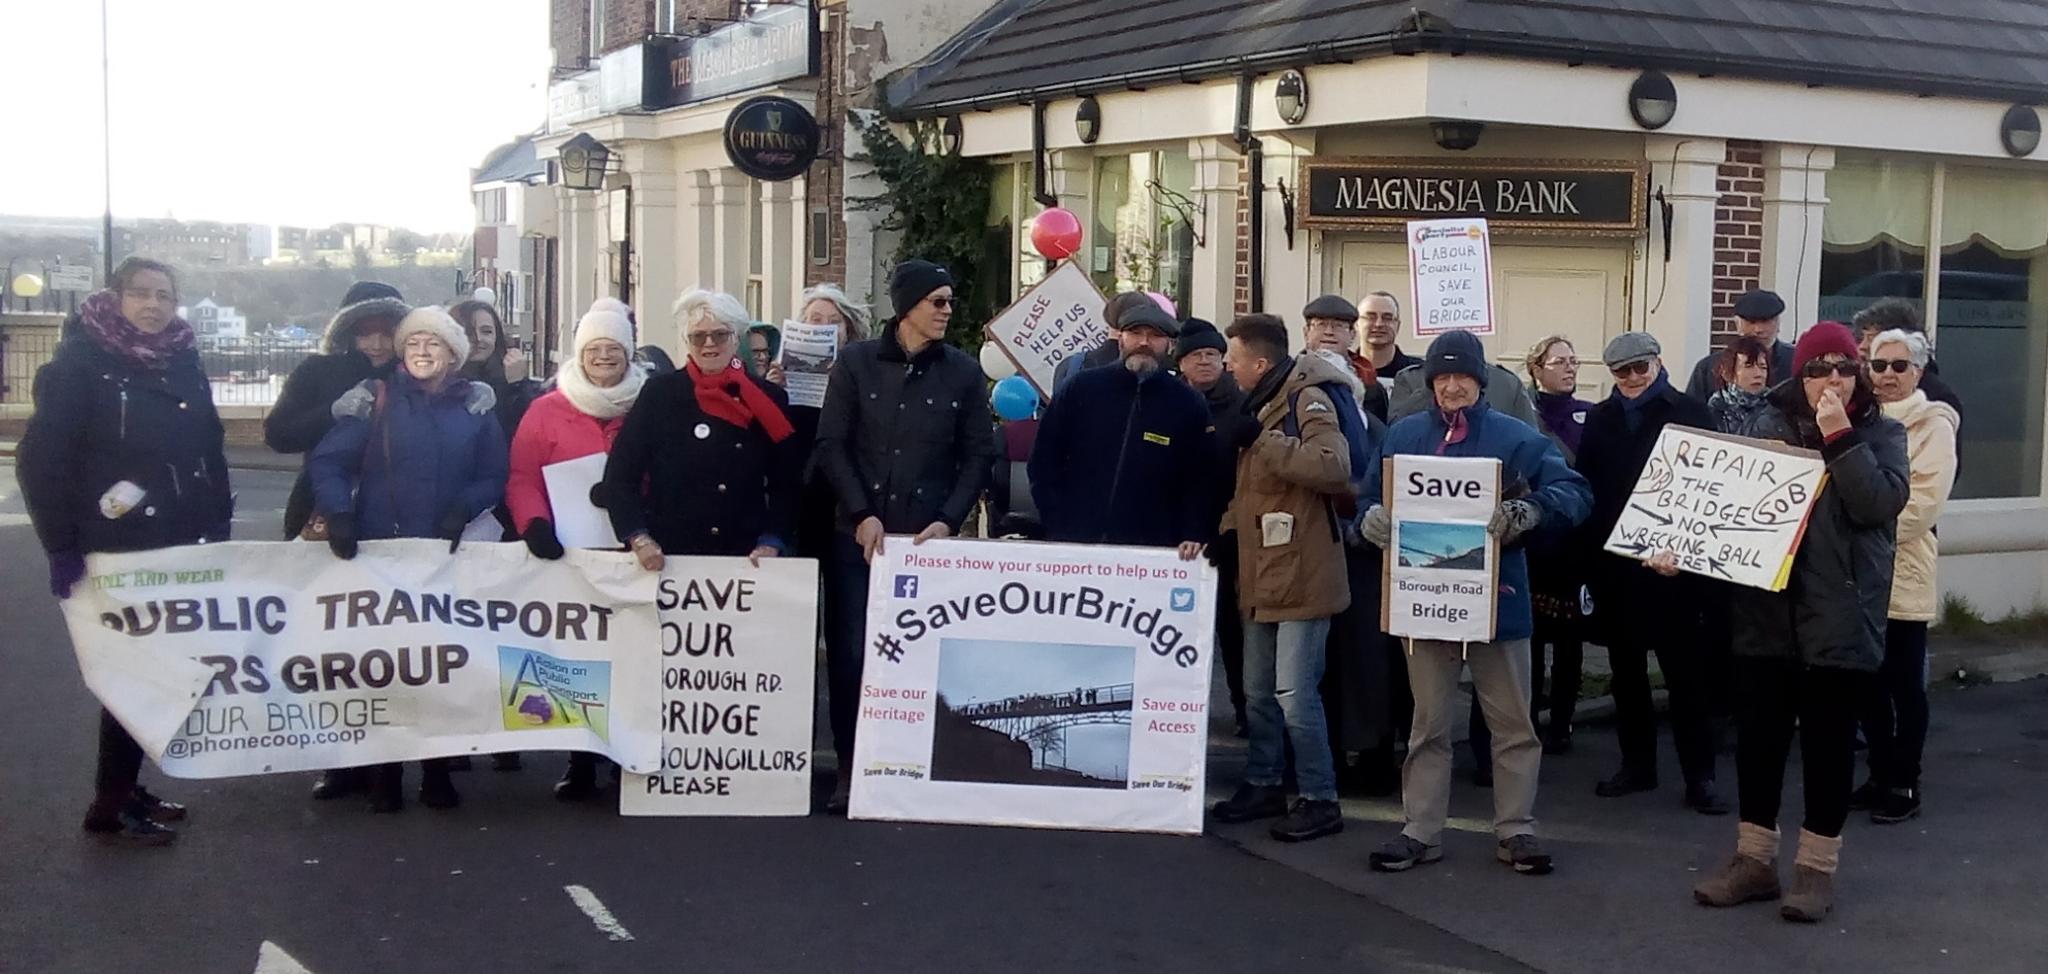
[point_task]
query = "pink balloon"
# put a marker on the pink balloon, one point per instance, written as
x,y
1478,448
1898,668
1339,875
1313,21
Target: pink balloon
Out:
x,y
1165,303
1056,233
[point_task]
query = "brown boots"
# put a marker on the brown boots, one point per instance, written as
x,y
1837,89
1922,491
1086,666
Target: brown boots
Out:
x,y
1753,874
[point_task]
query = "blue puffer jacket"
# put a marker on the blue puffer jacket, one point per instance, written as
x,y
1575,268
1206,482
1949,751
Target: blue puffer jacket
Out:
x,y
416,459
1531,468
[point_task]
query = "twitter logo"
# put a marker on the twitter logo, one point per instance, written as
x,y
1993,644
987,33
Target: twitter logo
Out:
x,y
1182,600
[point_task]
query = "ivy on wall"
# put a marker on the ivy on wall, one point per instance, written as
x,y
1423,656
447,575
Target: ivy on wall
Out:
x,y
939,204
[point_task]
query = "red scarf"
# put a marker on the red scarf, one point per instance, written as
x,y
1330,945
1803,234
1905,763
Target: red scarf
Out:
x,y
733,397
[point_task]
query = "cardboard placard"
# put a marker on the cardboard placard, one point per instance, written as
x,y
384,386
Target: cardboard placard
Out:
x,y
1060,317
1729,507
1442,571
1450,276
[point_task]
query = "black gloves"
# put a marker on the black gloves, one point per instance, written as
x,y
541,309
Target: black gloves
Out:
x,y
540,539
341,535
450,527
599,495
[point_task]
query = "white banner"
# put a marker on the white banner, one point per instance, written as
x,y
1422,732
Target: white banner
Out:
x,y
1729,507
260,657
1450,274
739,650
806,356
1059,317
1019,683
1442,567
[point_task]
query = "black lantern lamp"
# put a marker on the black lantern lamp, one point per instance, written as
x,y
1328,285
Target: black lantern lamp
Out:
x,y
1290,96
1653,100
2020,131
952,133
584,161
1088,120
1456,135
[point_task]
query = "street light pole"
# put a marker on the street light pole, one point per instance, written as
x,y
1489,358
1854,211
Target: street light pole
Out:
x,y
107,148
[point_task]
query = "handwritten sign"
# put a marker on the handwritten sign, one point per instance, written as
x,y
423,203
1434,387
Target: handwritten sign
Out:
x,y
1450,273
1729,507
1058,318
1442,567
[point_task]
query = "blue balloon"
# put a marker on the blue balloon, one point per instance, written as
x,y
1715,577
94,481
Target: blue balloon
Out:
x,y
1014,399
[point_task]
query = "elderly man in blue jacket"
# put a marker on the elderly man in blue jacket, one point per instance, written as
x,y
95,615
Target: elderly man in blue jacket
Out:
x,y
1539,491
1121,451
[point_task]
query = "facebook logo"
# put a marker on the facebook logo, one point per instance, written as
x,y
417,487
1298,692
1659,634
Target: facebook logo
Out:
x,y
906,586
1182,600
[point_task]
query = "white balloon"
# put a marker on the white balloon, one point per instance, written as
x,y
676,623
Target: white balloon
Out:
x,y
484,294
995,363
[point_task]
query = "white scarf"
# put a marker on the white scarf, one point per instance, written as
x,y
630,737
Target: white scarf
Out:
x,y
600,402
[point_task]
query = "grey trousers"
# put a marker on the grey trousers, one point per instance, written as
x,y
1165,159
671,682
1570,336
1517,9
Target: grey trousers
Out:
x,y
1500,674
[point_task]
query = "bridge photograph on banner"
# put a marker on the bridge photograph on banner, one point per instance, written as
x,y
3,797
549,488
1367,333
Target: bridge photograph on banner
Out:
x,y
1019,683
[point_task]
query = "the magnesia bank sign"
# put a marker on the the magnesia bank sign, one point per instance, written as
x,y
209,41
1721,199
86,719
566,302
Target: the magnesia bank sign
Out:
x,y
1589,197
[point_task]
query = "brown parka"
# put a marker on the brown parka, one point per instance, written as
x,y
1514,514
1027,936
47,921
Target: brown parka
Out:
x,y
1306,476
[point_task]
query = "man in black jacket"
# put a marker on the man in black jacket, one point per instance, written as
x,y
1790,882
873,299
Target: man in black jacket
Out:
x,y
1632,606
1198,354
1756,316
356,346
905,439
1118,448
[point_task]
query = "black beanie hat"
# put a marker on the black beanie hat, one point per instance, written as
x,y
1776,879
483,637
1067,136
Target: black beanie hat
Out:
x,y
1455,353
913,281
1197,334
362,291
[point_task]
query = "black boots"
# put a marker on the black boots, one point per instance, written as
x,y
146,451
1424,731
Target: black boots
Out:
x,y
134,820
339,783
1309,820
437,790
386,785
578,783
1251,803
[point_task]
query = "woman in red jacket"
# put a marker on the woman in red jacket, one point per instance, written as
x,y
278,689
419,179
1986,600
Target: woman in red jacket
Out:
x,y
581,417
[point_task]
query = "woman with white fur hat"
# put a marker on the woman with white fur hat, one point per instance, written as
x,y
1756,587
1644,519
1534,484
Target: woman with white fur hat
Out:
x,y
408,459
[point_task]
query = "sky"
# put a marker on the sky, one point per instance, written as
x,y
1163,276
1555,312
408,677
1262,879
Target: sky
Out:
x,y
295,112
972,670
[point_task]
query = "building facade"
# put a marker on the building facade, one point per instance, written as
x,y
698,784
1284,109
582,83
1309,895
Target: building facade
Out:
x,y
515,239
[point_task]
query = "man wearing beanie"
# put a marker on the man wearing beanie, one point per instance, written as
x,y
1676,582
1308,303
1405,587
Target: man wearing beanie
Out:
x,y
905,440
1100,481
1198,356
1756,316
1538,491
1503,390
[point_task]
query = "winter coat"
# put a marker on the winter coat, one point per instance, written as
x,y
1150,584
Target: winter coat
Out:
x,y
303,412
696,483
553,431
1632,604
99,420
1504,392
418,460
1558,558
1704,383
1931,459
1103,354
1832,611
1937,389
907,439
1304,578
1232,427
1531,469
1119,460
1733,409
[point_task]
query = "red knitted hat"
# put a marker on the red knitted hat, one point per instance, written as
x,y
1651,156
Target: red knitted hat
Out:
x,y
1825,337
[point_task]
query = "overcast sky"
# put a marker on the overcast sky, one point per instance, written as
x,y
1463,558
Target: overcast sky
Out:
x,y
267,111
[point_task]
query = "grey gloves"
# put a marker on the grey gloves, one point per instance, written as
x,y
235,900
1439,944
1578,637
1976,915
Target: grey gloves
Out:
x,y
1514,518
360,401
1376,527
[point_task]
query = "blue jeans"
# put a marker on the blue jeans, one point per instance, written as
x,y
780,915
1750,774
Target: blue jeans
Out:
x,y
1283,663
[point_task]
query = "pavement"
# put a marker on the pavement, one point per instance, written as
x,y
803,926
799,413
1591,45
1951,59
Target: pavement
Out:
x,y
516,881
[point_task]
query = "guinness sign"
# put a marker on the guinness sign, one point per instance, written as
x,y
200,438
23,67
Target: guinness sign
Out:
x,y
1592,198
771,138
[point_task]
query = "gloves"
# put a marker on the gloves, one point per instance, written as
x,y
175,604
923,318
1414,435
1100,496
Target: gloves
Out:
x,y
481,399
540,539
598,496
1512,519
1375,528
450,526
341,535
67,568
356,403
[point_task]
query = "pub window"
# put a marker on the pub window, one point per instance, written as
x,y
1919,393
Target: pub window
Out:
x,y
1990,324
596,33
1143,239
1874,237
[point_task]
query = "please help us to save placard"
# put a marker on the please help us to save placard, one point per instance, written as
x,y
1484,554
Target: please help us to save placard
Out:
x,y
1729,507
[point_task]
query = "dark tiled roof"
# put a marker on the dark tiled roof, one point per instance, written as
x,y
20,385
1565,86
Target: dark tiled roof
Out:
x,y
513,162
1977,48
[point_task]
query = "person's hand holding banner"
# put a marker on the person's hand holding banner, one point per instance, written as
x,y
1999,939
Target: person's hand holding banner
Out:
x,y
1191,550
934,530
67,568
1377,526
341,535
453,520
869,533
1664,563
1514,518
648,552
540,539
761,551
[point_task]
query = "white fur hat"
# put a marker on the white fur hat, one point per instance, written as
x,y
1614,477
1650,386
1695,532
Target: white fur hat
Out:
x,y
602,323
434,320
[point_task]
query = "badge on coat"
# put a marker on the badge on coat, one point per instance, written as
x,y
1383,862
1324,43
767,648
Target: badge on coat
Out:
x,y
703,431
1159,439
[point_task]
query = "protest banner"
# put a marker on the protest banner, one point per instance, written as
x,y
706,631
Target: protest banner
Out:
x,y
1450,276
1729,507
1022,683
739,647
260,657
807,355
1442,566
1059,317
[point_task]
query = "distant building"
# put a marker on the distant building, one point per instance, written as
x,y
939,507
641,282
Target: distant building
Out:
x,y
515,239
217,324
197,243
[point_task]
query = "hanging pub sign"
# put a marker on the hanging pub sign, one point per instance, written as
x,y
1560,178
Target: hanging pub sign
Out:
x,y
1579,197
771,138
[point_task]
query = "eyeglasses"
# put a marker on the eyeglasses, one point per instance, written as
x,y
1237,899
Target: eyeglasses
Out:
x,y
940,302
1846,368
1563,363
1898,365
1627,369
145,294
710,339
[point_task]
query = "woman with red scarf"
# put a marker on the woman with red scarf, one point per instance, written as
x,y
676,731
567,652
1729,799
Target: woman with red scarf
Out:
x,y
707,462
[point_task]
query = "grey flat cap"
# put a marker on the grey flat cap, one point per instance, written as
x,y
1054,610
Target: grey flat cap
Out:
x,y
1331,306
1631,346
1759,305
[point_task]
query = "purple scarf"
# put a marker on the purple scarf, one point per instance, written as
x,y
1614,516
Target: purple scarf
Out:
x,y
1455,430
101,319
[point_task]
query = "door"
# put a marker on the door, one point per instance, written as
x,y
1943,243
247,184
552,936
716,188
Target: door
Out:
x,y
1540,289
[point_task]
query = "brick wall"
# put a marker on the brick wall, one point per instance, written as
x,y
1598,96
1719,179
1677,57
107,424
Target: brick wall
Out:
x,y
568,27
1243,302
626,23
1738,231
826,184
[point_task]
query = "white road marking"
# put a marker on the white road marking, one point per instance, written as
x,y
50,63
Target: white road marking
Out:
x,y
594,908
271,959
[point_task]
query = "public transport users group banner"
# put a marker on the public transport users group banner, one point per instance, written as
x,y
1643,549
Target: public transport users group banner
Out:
x,y
259,657
1017,683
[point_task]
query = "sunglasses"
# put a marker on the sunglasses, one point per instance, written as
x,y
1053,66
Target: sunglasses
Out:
x,y
1898,365
941,303
1846,368
710,339
1631,368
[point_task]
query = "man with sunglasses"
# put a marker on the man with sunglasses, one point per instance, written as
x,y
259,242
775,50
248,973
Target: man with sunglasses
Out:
x,y
1637,610
1756,316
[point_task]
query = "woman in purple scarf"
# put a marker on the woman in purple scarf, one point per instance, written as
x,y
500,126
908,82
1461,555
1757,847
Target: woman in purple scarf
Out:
x,y
1555,578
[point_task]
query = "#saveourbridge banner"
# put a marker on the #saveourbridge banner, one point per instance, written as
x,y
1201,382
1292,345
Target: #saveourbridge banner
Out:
x,y
1729,507
1014,683
259,657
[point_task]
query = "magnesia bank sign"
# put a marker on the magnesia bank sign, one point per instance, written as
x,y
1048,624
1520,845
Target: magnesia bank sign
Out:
x,y
1581,198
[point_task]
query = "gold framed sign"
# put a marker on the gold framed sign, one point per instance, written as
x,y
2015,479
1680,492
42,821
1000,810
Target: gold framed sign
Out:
x,y
1579,197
